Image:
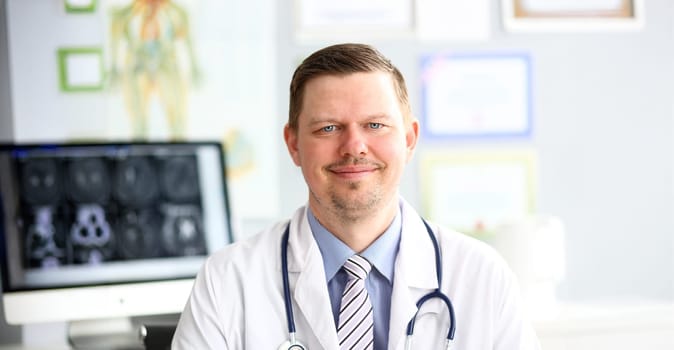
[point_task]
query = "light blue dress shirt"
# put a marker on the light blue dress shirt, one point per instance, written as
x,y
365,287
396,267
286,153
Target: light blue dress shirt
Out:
x,y
379,283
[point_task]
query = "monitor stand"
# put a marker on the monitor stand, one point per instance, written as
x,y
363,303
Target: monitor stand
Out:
x,y
114,333
42,335
110,334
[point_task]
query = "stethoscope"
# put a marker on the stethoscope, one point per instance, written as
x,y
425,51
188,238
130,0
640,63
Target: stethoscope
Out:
x,y
293,344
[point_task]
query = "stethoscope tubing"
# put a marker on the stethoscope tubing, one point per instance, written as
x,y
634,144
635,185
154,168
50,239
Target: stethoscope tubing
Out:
x,y
436,293
290,318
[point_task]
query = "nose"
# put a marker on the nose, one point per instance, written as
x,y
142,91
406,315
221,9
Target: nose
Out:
x,y
353,142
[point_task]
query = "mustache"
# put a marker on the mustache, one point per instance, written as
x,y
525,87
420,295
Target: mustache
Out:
x,y
350,161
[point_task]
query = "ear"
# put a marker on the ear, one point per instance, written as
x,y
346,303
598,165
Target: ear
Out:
x,y
290,136
411,137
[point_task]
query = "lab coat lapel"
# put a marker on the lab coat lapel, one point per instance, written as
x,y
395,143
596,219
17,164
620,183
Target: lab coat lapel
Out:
x,y
414,275
310,292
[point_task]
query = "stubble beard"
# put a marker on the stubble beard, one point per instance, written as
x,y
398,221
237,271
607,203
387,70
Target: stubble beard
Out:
x,y
355,206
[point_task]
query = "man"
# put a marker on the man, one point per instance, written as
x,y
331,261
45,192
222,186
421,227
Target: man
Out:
x,y
358,256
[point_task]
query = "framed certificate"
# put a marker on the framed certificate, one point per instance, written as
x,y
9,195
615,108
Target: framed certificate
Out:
x,y
452,20
353,20
474,191
476,95
572,15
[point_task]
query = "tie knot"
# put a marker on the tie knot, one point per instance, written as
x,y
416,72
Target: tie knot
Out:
x,y
357,267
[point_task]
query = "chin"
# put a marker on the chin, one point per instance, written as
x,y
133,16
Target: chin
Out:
x,y
356,201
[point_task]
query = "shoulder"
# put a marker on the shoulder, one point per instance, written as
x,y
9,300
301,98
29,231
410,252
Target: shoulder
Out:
x,y
467,246
474,254
456,248
255,253
249,252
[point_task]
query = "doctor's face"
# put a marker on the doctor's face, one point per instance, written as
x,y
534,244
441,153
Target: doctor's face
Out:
x,y
352,143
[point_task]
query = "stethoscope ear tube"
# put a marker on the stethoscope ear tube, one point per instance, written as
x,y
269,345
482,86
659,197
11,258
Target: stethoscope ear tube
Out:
x,y
290,318
292,343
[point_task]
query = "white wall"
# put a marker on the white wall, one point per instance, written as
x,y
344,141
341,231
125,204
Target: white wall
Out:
x,y
604,132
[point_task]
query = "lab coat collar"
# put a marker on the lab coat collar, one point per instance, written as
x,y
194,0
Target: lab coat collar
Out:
x,y
310,298
417,255
415,274
300,242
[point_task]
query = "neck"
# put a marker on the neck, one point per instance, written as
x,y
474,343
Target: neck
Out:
x,y
356,231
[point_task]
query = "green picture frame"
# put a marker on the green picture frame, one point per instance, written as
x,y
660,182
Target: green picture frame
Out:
x,y
80,6
81,69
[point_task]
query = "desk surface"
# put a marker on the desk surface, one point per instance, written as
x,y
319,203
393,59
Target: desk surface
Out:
x,y
603,326
577,326
578,317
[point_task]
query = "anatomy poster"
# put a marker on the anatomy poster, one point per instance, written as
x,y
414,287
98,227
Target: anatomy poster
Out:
x,y
173,70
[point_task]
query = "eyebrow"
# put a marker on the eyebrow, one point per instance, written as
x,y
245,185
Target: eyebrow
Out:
x,y
319,120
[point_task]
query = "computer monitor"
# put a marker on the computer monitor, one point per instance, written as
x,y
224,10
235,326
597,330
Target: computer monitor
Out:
x,y
103,231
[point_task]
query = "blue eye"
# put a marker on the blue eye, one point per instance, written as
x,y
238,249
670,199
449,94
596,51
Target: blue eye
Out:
x,y
328,128
376,125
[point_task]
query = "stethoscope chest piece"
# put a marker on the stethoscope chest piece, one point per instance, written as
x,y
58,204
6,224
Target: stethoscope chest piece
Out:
x,y
287,345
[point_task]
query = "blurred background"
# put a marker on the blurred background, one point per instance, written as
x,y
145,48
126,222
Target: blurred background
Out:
x,y
583,182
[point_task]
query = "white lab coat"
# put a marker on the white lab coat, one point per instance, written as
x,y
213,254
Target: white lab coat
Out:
x,y
237,300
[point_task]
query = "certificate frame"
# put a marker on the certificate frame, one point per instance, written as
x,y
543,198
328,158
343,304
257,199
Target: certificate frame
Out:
x,y
572,16
474,191
353,20
80,6
454,104
89,75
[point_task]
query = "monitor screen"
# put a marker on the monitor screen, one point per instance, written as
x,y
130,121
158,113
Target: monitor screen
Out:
x,y
107,230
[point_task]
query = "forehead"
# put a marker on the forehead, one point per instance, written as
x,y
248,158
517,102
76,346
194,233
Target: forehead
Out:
x,y
374,77
350,92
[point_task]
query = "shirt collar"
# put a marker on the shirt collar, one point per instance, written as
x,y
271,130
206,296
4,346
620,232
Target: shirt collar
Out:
x,y
381,253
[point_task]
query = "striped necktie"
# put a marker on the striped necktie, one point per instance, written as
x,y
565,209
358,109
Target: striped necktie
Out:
x,y
355,327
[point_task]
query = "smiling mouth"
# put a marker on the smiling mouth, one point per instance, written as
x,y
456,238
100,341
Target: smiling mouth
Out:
x,y
348,170
354,168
